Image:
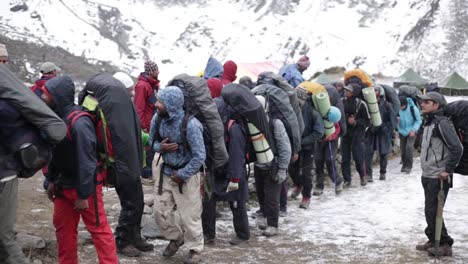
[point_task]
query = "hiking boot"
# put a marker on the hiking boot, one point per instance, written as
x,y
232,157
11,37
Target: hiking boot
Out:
x,y
317,192
445,250
283,212
257,213
382,176
270,231
425,246
261,222
172,248
193,257
363,181
296,191
406,170
370,179
129,251
339,188
347,184
147,181
236,241
304,203
143,245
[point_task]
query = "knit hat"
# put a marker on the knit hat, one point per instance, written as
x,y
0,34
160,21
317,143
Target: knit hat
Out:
x,y
3,51
304,62
215,85
150,67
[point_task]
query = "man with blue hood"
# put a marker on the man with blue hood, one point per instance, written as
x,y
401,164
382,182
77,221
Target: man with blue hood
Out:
x,y
178,198
76,179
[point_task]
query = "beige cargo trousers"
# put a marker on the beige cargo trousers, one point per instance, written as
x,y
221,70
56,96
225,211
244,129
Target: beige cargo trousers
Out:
x,y
178,215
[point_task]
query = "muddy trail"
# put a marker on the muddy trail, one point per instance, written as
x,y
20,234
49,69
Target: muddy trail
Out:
x,y
378,223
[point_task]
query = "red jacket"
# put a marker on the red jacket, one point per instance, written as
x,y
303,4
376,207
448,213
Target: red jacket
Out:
x,y
36,88
145,98
229,74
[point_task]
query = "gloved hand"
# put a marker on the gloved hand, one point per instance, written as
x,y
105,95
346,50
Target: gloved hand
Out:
x,y
281,175
233,185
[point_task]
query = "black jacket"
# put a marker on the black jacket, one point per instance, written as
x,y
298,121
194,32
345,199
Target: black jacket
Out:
x,y
74,162
357,108
313,125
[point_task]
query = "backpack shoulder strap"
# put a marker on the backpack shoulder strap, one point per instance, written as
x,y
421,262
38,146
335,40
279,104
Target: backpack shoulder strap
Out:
x,y
183,129
156,135
72,118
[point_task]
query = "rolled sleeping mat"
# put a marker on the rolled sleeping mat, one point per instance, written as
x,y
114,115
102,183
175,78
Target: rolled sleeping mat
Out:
x,y
260,144
322,104
372,104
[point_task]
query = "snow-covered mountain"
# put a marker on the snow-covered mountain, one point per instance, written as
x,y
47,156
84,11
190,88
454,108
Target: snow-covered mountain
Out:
x,y
378,35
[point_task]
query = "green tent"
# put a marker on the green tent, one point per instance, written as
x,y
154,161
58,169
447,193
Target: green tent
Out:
x,y
454,85
410,77
322,79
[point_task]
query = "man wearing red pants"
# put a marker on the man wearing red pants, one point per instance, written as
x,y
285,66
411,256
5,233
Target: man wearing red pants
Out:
x,y
75,179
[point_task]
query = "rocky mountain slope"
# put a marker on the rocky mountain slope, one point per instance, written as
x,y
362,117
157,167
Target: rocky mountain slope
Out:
x,y
377,35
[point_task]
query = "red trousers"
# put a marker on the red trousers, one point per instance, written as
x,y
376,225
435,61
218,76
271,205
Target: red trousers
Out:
x,y
66,221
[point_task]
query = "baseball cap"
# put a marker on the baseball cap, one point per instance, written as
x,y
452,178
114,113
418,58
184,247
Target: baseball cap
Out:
x,y
47,67
433,96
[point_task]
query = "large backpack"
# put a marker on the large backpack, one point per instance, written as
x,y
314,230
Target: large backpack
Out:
x,y
359,77
199,104
281,108
241,100
117,126
335,100
411,92
391,96
45,125
31,107
280,82
457,111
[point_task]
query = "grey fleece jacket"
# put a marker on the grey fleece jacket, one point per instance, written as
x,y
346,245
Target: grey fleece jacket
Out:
x,y
440,150
283,146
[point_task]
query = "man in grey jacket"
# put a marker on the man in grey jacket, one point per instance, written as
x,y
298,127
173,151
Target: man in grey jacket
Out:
x,y
440,153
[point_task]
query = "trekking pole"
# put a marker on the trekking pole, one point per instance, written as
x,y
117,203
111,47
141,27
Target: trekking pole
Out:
x,y
439,220
332,160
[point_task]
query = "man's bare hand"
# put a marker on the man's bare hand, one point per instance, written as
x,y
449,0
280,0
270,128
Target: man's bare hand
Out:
x,y
168,147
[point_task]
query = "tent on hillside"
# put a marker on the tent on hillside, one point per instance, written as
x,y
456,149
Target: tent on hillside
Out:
x,y
410,77
253,69
454,85
323,78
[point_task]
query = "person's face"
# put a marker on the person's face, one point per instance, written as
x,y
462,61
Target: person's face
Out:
x,y
403,106
155,74
428,106
130,91
377,93
301,68
3,59
348,93
161,109
48,100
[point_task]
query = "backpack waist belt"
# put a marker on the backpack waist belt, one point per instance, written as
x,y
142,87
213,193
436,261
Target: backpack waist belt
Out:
x,y
161,176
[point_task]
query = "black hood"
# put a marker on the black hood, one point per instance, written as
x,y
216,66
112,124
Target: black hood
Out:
x,y
62,90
